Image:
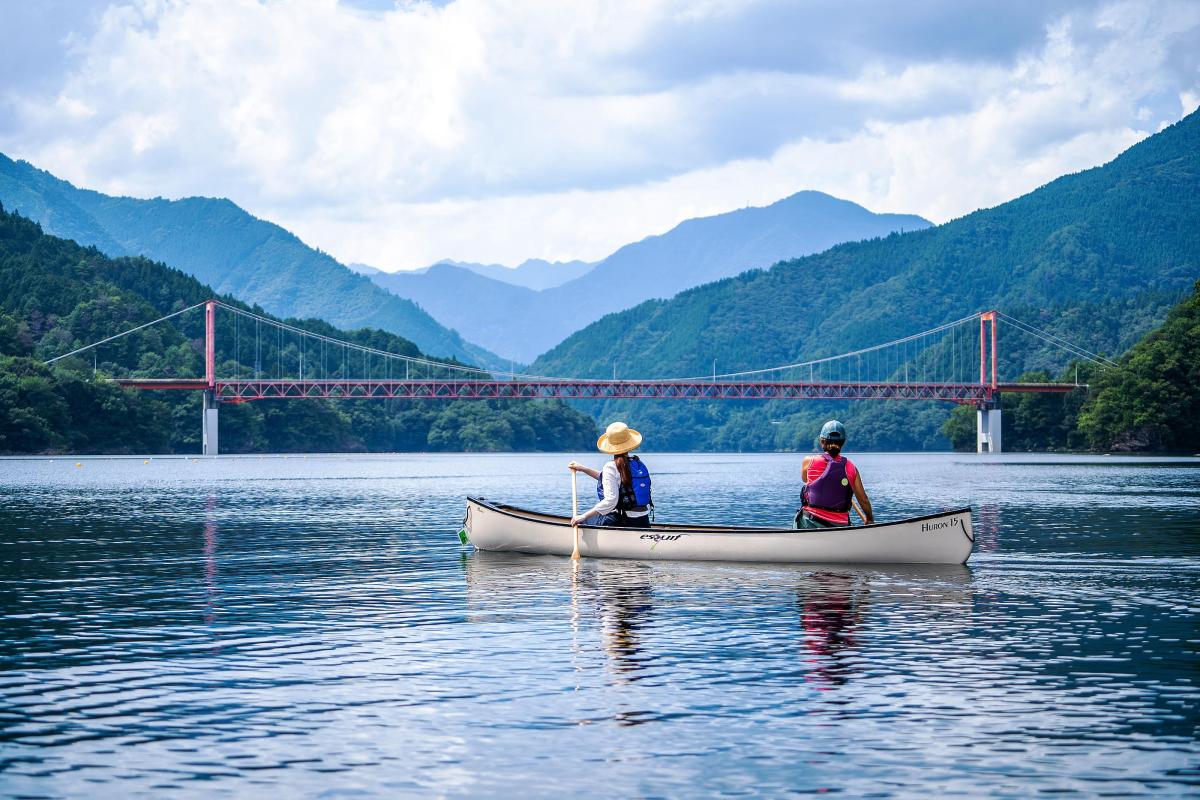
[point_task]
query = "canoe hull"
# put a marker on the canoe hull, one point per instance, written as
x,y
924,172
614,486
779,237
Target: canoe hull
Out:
x,y
945,538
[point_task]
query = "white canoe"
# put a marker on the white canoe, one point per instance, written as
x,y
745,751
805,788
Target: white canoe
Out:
x,y
944,538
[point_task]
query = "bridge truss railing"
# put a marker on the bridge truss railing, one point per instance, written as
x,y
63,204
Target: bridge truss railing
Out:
x,y
241,391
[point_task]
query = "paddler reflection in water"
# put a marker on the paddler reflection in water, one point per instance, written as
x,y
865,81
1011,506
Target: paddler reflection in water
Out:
x,y
623,484
831,611
831,483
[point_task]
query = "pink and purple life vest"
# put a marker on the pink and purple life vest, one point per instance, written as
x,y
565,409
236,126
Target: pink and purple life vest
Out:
x,y
828,488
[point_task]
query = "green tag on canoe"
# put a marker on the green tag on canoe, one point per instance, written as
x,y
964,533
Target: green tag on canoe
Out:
x,y
462,536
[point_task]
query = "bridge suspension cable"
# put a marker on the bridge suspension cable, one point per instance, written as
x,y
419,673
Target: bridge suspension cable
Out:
x,y
86,347
841,356
1074,349
354,346
939,355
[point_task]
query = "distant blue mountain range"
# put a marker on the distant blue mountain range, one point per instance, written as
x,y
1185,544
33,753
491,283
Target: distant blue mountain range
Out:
x,y
534,273
521,321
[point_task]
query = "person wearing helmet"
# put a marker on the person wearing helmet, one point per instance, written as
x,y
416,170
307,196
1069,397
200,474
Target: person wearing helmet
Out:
x,y
830,484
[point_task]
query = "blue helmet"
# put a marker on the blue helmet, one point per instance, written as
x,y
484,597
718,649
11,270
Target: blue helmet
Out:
x,y
833,431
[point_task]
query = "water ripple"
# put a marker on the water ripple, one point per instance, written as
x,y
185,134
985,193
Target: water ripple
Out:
x,y
310,627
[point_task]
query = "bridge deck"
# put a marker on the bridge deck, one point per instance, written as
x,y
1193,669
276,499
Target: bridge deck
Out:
x,y
246,389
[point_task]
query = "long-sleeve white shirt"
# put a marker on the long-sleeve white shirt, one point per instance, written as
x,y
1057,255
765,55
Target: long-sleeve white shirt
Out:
x,y
610,479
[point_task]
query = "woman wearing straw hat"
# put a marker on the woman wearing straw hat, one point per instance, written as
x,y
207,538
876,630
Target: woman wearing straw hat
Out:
x,y
623,484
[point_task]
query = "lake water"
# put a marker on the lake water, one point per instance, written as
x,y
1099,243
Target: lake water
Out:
x,y
311,627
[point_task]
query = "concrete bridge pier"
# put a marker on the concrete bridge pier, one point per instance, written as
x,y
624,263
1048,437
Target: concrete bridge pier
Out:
x,y
987,430
208,424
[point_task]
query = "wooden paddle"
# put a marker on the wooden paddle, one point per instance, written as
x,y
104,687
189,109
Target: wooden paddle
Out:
x,y
575,512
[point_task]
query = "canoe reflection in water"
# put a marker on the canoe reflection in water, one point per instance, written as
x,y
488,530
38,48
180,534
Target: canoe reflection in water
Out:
x,y
679,623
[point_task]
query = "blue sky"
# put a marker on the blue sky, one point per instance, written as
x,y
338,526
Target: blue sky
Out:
x,y
398,133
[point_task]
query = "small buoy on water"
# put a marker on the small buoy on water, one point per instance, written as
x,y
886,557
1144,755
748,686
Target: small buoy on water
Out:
x,y
147,461
78,464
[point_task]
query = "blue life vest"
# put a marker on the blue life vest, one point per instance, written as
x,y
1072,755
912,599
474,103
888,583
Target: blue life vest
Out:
x,y
636,497
831,491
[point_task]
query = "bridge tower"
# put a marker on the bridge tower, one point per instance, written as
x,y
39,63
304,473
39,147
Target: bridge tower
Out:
x,y
987,414
208,406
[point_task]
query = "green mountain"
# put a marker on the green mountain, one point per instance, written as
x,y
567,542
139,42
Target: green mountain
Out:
x,y
521,323
223,246
1097,257
56,296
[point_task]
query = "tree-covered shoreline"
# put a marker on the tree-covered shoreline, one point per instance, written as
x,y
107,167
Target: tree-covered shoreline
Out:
x,y
56,296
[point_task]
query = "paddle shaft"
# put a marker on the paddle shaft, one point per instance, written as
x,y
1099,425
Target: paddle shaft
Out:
x,y
575,512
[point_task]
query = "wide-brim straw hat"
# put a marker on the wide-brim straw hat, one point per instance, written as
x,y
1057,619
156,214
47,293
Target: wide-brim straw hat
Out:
x,y
619,438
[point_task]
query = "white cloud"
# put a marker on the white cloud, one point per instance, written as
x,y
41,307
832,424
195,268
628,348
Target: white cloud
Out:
x,y
504,129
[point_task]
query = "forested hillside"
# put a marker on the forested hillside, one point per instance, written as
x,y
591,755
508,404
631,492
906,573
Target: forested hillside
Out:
x,y
224,247
56,295
1098,257
1152,402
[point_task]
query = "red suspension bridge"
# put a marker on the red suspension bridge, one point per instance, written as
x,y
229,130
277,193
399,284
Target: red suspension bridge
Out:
x,y
264,359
